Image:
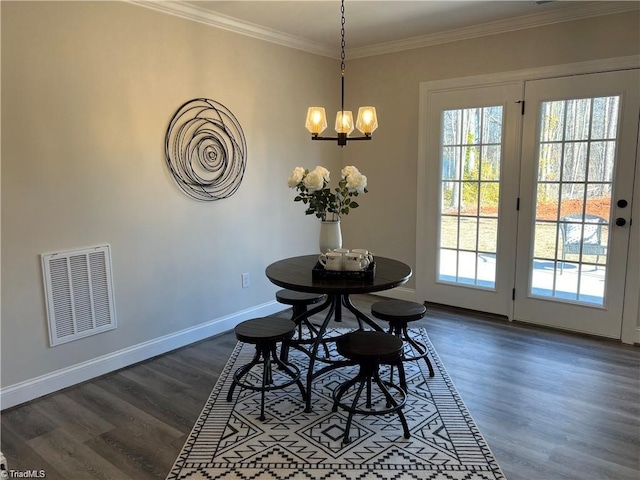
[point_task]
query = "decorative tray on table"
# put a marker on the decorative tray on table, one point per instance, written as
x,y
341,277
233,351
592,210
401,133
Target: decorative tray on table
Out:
x,y
368,273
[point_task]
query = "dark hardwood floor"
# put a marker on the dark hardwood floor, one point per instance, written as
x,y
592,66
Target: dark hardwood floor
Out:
x,y
551,405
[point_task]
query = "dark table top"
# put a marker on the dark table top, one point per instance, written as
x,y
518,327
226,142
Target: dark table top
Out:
x,y
295,274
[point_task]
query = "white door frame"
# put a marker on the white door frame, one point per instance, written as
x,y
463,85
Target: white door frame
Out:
x,y
631,315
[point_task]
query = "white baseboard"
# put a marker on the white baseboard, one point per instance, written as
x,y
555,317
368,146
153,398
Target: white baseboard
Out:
x,y
66,377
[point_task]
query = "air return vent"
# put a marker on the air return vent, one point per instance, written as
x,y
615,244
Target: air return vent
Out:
x,y
79,292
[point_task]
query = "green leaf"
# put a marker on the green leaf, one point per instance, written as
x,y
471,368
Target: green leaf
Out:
x,y
354,205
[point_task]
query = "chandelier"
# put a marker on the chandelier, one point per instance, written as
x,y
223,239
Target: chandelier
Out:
x,y
366,122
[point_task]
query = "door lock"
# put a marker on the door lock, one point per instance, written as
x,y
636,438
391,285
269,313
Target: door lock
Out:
x,y
621,222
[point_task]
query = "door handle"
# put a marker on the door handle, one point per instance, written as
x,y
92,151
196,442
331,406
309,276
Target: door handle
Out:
x,y
621,222
622,203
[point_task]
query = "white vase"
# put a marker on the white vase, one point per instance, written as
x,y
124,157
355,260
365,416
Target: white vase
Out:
x,y
330,235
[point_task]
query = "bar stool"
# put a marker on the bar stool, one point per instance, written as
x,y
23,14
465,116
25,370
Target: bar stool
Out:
x,y
299,302
265,334
399,313
370,349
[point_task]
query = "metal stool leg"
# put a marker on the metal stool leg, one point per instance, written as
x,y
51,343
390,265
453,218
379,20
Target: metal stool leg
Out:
x,y
291,373
266,380
242,371
392,401
420,348
354,404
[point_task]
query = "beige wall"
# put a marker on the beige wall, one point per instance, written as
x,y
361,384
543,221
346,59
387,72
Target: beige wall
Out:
x,y
87,92
386,223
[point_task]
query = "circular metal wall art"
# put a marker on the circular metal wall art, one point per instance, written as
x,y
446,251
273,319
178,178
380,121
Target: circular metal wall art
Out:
x,y
206,150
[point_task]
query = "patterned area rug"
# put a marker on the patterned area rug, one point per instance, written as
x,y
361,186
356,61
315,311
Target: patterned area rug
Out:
x,y
229,442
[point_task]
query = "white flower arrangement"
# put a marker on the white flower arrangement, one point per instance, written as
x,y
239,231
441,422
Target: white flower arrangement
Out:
x,y
320,200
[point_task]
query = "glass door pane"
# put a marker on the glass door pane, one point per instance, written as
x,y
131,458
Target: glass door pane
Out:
x,y
577,145
470,160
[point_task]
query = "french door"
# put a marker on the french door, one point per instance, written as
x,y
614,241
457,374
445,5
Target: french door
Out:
x,y
472,147
528,198
578,161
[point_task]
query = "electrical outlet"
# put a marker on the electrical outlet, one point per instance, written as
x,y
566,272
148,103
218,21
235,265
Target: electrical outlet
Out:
x,y
246,281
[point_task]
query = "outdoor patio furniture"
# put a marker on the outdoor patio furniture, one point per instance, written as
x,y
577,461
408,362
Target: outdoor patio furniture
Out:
x,y
582,235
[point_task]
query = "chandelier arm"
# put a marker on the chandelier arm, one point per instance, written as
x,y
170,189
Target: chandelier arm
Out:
x,y
318,137
367,136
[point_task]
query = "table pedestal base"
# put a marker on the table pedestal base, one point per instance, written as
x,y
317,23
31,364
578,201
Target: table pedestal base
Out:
x,y
333,305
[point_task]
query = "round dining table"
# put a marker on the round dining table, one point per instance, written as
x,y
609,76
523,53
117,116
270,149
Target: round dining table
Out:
x,y
297,273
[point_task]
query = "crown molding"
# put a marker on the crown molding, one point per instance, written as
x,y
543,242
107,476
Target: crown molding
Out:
x,y
218,20
231,24
566,14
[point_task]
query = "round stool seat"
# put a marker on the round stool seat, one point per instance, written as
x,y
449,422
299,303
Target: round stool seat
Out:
x,y
366,345
291,297
268,329
391,310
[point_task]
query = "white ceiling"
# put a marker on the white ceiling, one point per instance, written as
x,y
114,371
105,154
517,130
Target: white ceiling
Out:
x,y
377,26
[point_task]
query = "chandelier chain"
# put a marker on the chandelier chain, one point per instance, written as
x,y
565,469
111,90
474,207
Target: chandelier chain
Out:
x,y
342,43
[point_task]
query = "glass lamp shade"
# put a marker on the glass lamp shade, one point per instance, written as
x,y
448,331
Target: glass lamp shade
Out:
x,y
316,120
344,122
367,120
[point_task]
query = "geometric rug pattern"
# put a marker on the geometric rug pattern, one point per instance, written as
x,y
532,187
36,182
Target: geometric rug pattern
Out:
x,y
228,441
